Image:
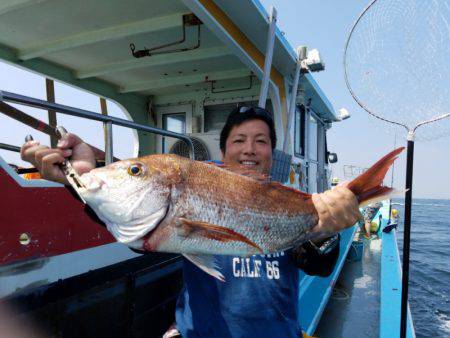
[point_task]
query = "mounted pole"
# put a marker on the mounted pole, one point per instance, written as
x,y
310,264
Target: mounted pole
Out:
x,y
268,59
50,89
107,130
407,233
109,158
104,110
24,118
301,55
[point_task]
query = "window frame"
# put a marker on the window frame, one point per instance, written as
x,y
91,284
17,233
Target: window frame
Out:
x,y
300,110
185,109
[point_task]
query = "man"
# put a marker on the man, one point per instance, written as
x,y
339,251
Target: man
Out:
x,y
259,296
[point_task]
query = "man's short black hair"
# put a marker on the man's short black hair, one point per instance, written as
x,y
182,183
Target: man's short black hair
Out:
x,y
242,114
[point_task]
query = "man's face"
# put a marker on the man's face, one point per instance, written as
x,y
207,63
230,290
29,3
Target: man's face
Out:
x,y
249,145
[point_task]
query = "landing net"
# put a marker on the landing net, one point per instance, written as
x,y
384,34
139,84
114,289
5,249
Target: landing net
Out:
x,y
397,64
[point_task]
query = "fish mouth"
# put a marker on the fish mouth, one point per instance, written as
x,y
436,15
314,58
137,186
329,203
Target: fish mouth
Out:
x,y
74,179
84,185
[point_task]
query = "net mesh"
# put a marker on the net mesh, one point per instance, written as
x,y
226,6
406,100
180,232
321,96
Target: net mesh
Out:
x,y
397,64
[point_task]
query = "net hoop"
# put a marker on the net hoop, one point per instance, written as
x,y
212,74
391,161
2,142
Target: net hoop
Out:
x,y
347,82
410,130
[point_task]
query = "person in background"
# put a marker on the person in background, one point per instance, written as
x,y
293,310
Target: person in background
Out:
x,y
369,214
259,296
394,216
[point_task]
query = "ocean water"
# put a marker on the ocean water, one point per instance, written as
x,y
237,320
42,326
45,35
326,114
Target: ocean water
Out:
x,y
429,286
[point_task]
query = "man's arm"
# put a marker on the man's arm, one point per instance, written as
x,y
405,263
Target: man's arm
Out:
x,y
337,210
317,259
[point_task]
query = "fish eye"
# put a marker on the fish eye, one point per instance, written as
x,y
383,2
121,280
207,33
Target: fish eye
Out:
x,y
135,169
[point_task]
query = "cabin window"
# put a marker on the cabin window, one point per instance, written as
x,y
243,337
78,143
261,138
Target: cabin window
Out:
x,y
299,131
174,118
173,122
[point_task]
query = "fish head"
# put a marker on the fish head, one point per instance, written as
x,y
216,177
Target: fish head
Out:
x,y
131,197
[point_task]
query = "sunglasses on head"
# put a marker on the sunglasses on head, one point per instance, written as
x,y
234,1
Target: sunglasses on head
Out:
x,y
257,111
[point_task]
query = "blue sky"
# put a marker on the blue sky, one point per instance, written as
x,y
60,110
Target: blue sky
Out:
x,y
324,25
359,140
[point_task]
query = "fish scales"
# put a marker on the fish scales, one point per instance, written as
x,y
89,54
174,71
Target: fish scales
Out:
x,y
271,216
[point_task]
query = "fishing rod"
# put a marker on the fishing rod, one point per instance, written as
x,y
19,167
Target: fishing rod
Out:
x,y
9,147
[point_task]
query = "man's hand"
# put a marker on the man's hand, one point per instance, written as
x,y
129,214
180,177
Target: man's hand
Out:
x,y
47,160
337,208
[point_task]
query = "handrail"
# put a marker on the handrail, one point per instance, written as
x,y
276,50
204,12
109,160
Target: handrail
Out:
x,y
37,103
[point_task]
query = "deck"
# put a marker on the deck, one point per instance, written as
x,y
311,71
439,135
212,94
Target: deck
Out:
x,y
354,306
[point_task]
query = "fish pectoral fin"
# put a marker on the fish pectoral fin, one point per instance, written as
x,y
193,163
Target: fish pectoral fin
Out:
x,y
212,231
207,263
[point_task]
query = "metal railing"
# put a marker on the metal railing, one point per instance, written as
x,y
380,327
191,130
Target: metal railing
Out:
x,y
108,121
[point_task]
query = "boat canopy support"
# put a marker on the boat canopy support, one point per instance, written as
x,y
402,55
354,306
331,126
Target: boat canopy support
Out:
x,y
301,55
268,58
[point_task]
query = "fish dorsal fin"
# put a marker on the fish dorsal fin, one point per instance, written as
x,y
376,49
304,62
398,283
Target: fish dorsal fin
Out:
x,y
206,263
244,171
215,232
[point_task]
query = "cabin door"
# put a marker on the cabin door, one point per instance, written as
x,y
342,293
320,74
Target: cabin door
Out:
x,y
173,118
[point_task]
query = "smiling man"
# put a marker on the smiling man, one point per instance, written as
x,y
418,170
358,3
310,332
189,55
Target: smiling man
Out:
x,y
259,297
247,142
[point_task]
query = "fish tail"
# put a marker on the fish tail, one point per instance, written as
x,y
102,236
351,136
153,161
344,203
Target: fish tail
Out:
x,y
368,187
